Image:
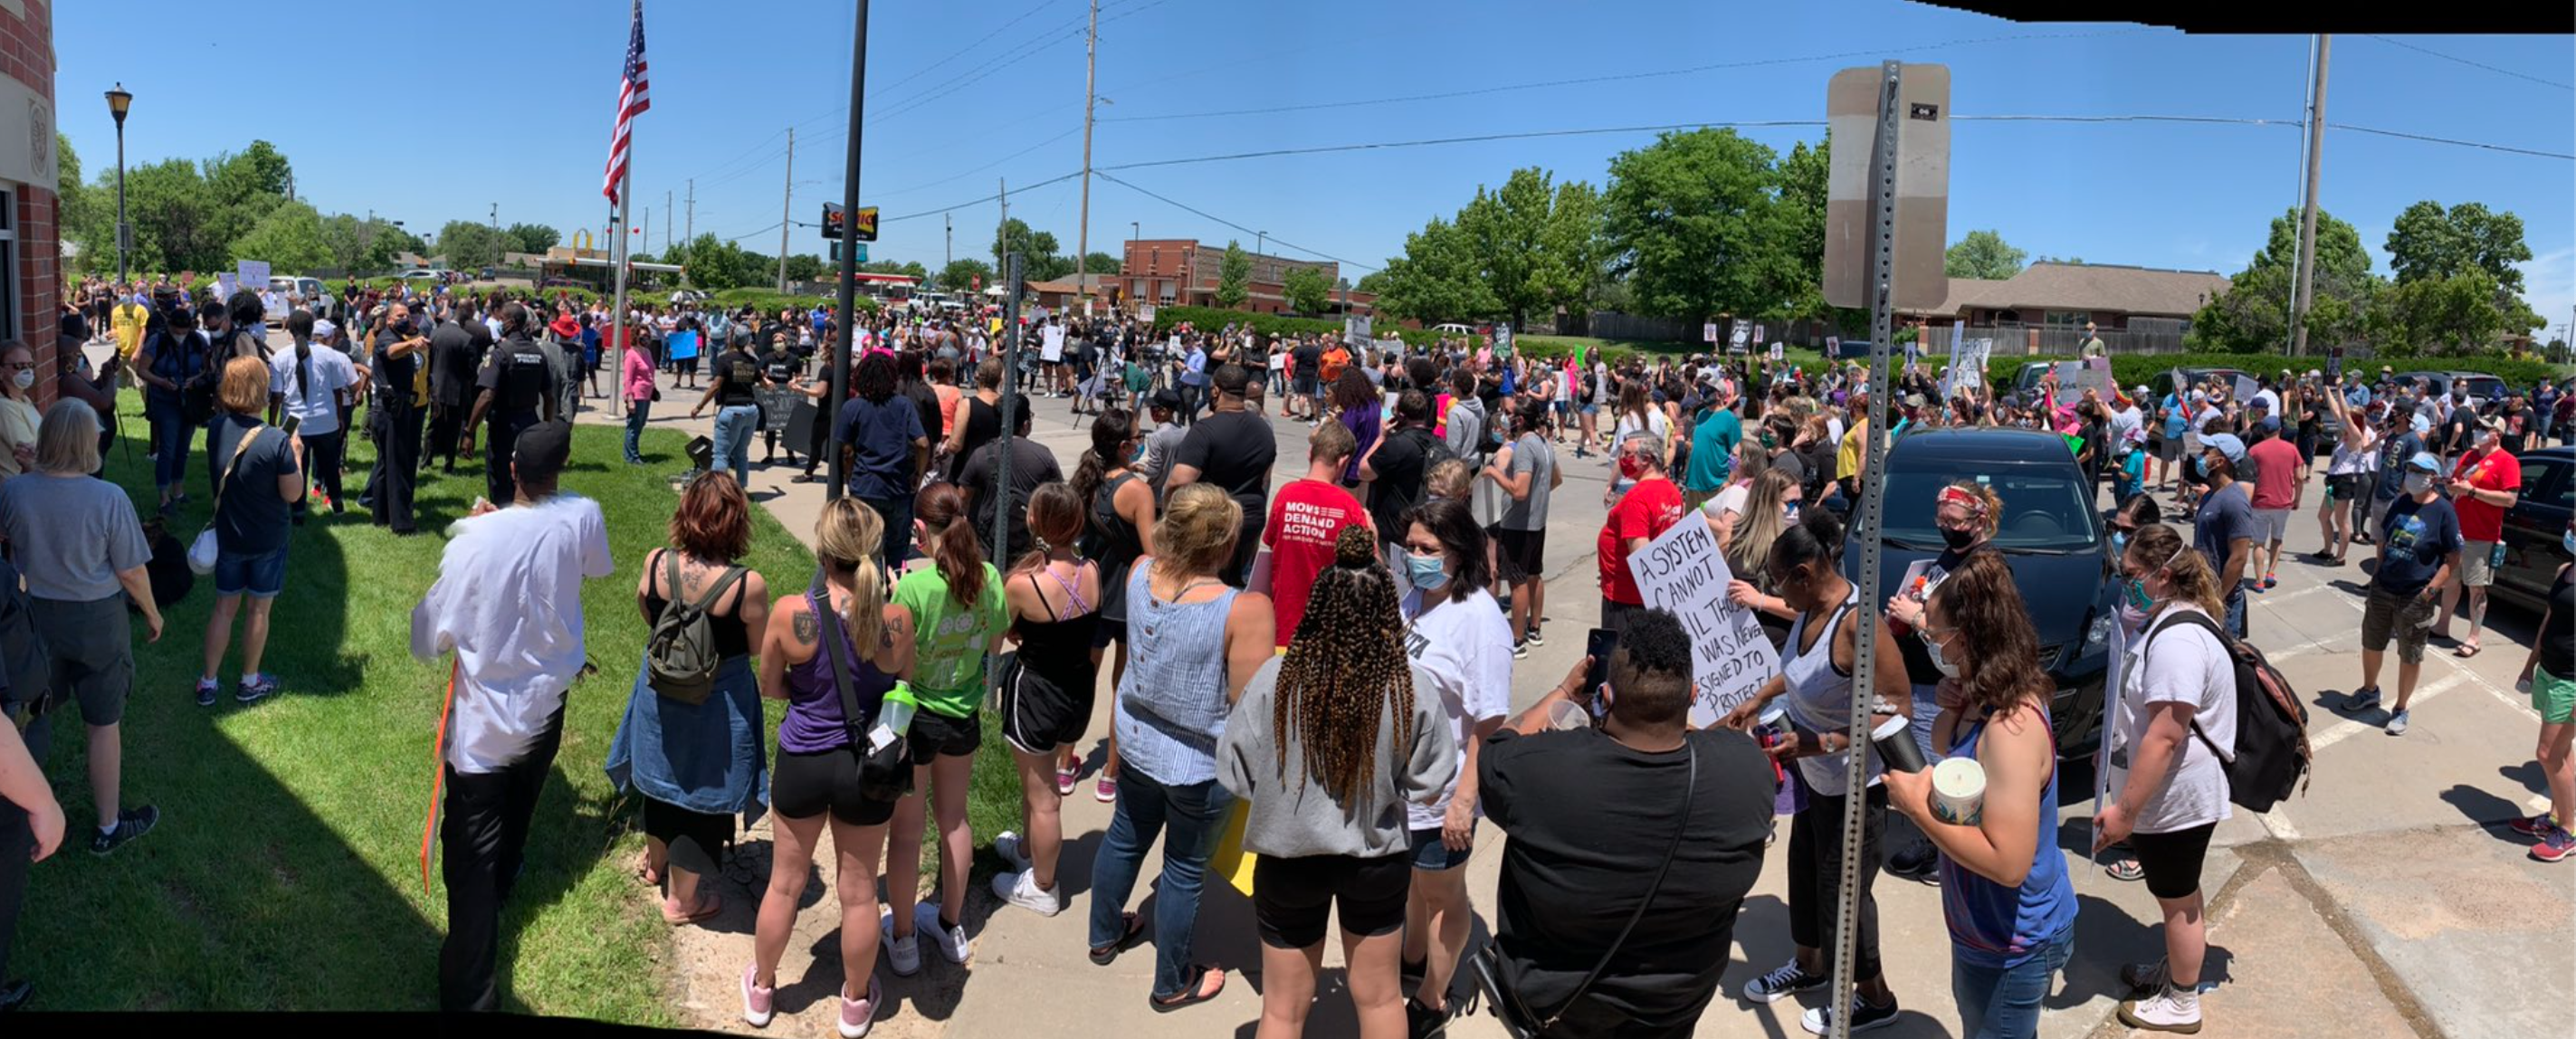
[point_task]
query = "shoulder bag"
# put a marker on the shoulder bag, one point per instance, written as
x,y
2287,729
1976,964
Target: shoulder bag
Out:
x,y
203,551
885,771
1516,1016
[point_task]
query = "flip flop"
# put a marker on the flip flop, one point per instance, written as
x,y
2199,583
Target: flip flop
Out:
x,y
2126,869
2467,650
1101,955
1198,979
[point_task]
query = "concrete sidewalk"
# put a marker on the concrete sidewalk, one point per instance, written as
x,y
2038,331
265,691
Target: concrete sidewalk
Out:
x,y
2386,901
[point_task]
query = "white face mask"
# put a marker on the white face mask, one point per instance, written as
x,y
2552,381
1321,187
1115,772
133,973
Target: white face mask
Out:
x,y
2418,483
26,378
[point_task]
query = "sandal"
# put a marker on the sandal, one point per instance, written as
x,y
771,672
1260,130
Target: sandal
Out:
x,y
2467,650
1101,955
1197,993
644,869
2125,869
709,904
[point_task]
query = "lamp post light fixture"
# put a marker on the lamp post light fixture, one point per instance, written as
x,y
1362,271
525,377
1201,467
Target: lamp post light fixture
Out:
x,y
118,100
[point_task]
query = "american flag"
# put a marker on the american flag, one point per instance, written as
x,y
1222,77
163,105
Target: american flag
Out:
x,y
634,97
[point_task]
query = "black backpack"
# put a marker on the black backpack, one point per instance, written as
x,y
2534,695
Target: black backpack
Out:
x,y
2271,756
24,659
680,653
168,569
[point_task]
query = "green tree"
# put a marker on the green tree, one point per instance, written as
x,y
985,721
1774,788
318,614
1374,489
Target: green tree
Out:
x,y
469,245
1574,254
290,238
1982,254
2253,314
173,215
84,218
2455,315
1437,279
531,238
244,186
2070,261
1373,283
1696,225
961,275
1504,228
1032,246
804,267
1100,263
1234,276
2429,242
1307,289
1802,176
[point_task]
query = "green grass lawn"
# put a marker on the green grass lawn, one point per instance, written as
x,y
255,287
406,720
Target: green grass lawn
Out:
x,y
285,872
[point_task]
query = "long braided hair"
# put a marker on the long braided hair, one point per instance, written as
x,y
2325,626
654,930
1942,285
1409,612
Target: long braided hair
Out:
x,y
1344,669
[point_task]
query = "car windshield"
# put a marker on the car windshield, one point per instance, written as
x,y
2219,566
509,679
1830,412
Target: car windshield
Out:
x,y
2045,507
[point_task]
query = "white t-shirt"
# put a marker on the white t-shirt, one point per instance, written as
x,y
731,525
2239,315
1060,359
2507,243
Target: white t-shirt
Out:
x,y
1728,499
2348,462
1466,649
2187,665
1656,424
315,407
508,601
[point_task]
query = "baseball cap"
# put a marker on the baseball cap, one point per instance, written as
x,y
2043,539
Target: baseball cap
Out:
x,y
2425,461
2260,403
542,450
323,328
2270,422
2422,424
2226,444
1166,399
2138,390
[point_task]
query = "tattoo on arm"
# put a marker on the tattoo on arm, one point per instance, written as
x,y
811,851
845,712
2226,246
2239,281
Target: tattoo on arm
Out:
x,y
808,630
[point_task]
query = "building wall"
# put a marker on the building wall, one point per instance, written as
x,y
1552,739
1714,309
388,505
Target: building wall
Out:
x,y
27,165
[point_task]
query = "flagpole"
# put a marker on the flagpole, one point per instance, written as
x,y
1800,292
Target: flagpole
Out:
x,y
617,254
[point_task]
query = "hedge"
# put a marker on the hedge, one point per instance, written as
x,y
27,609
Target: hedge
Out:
x,y
1209,319
2142,369
767,301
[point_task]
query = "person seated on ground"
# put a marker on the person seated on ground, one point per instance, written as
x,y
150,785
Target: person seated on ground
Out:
x,y
1592,867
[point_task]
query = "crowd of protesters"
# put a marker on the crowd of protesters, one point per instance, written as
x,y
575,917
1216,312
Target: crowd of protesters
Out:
x,y
1329,659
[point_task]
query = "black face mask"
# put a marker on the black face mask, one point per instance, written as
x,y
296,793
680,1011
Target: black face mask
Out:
x,y
1958,540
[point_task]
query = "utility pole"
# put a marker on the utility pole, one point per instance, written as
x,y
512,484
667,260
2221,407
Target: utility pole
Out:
x,y
2308,214
645,228
691,224
948,224
499,247
786,206
666,217
1008,349
847,296
1090,77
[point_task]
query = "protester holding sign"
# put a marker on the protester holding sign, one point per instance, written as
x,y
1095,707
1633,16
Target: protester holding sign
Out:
x,y
2005,890
1457,637
1649,508
1816,680
1967,513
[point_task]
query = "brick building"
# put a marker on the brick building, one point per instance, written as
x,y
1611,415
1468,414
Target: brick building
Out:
x,y
1184,272
30,259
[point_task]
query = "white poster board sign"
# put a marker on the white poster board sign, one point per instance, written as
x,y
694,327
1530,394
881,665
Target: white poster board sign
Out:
x,y
1779,351
251,274
1708,332
1683,572
2246,388
1355,332
1145,313
1967,366
226,284
1051,344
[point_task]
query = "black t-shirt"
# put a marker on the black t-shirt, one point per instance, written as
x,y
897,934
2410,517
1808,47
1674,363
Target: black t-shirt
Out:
x,y
250,519
2457,431
1918,661
1310,362
394,375
737,375
1233,450
983,423
452,362
2558,638
518,376
1587,820
479,335
781,365
1398,487
1032,467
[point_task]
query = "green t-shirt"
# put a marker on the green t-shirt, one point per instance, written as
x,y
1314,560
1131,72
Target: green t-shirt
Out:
x,y
949,640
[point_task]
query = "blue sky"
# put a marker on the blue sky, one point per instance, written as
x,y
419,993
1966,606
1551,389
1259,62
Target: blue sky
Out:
x,y
509,103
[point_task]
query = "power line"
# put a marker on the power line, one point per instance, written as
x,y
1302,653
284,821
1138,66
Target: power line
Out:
x,y
883,220
969,48
1613,78
1274,239
2445,140
978,169
2471,64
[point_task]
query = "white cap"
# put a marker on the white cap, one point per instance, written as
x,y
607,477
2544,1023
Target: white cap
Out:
x,y
323,328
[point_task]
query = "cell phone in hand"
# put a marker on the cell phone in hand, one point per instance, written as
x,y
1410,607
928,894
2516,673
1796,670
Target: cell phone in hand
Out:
x,y
1598,645
291,424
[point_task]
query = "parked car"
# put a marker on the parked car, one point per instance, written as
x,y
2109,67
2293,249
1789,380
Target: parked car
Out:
x,y
2050,535
1453,328
2532,526
2485,389
420,274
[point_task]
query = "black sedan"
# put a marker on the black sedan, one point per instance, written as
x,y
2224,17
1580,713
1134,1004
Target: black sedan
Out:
x,y
2531,545
2051,535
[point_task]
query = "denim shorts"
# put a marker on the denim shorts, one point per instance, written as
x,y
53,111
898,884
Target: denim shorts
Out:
x,y
262,576
1430,853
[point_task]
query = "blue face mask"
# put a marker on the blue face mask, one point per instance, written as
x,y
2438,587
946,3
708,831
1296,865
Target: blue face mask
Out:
x,y
2567,540
2119,542
2200,465
1789,513
1425,572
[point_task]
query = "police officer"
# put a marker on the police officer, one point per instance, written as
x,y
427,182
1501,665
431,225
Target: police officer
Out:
x,y
395,419
519,389
734,393
779,370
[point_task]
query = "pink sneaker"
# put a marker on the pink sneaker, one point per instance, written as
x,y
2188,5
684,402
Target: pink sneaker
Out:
x,y
758,1004
1105,791
857,1015
1064,780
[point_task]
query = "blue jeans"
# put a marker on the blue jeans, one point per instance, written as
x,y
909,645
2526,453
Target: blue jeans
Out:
x,y
1196,815
2236,612
735,425
897,514
2004,1002
171,439
1926,711
638,412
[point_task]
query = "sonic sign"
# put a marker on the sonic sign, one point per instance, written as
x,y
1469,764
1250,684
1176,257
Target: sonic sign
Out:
x,y
866,231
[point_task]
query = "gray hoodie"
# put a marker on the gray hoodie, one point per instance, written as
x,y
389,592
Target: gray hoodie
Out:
x,y
1292,816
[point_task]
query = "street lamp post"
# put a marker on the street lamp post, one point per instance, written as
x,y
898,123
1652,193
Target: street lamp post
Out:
x,y
118,100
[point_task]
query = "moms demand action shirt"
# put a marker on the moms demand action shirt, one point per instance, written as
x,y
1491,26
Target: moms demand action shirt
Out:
x,y
1305,517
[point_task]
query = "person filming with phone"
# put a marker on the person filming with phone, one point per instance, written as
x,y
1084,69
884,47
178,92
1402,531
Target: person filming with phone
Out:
x,y
1629,845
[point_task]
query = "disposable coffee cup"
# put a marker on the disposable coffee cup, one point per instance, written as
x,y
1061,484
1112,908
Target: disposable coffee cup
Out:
x,y
1959,791
1894,738
1566,714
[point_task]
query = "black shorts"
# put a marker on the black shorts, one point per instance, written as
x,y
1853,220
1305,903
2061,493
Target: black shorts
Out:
x,y
1292,897
807,785
2346,487
935,735
1522,553
1039,714
696,839
2172,861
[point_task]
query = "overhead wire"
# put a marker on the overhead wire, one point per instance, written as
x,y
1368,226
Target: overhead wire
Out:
x,y
2472,64
1272,238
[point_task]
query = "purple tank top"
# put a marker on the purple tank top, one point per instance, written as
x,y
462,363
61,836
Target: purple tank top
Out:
x,y
814,723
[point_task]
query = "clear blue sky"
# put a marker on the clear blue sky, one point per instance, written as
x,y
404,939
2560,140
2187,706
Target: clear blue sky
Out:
x,y
510,103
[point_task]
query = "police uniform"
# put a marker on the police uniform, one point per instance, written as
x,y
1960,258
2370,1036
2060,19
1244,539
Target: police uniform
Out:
x,y
523,385
395,420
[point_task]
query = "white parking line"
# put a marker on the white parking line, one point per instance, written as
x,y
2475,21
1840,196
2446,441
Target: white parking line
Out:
x,y
2343,730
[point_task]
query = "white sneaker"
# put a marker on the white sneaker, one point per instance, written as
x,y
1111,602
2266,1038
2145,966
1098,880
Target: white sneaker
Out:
x,y
903,955
1021,889
951,941
1007,845
2169,1010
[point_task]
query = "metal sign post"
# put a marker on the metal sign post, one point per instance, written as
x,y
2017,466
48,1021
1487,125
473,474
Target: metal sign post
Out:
x,y
1010,396
1865,663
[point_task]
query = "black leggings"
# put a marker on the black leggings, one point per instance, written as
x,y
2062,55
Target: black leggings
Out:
x,y
1815,875
322,464
2170,862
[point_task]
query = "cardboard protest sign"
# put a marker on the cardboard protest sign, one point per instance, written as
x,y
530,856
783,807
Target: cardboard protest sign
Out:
x,y
1967,366
1708,332
1355,332
251,274
2246,388
1051,344
1683,572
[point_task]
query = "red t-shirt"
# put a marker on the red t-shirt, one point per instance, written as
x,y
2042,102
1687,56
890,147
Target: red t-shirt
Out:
x,y
2493,471
1647,510
1305,517
2276,473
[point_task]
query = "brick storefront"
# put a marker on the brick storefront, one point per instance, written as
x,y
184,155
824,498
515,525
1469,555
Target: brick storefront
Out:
x,y
27,174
